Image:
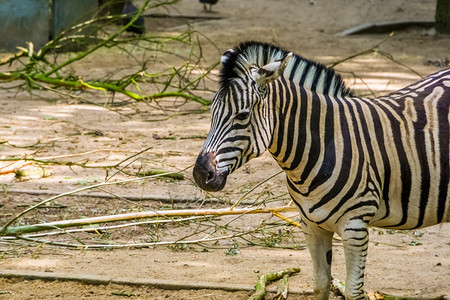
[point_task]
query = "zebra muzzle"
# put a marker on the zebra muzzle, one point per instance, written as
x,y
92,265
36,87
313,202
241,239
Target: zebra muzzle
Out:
x,y
205,174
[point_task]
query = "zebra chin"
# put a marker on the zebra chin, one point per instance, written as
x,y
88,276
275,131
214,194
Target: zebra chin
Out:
x,y
205,174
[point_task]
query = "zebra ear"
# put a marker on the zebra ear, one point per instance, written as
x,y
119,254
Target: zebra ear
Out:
x,y
271,71
226,55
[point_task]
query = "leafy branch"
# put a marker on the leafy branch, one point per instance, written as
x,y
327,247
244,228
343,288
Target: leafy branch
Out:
x,y
44,70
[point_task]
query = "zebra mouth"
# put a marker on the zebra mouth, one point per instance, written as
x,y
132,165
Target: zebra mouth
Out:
x,y
205,174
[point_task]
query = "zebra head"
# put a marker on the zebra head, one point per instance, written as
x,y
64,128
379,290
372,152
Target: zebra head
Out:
x,y
241,123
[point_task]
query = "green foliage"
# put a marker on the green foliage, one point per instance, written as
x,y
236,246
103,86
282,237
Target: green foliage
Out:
x,y
49,69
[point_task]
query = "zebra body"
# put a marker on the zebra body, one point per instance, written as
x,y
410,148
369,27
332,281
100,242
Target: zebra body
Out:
x,y
350,162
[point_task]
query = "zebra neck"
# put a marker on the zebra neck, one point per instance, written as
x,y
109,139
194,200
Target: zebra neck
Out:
x,y
296,126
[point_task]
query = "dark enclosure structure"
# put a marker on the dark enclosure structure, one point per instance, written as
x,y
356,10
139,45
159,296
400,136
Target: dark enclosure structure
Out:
x,y
38,21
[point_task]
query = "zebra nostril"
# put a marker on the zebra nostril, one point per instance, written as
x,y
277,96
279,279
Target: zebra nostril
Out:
x,y
210,177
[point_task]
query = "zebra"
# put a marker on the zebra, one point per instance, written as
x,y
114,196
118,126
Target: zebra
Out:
x,y
350,162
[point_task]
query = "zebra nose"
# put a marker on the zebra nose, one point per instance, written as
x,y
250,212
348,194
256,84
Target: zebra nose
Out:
x,y
206,175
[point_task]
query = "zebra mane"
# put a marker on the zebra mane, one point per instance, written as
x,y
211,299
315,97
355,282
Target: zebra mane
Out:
x,y
309,74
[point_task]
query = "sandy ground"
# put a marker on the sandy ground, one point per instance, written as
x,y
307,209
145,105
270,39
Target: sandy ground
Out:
x,y
401,263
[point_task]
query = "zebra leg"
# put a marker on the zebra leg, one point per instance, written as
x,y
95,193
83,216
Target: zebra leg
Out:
x,y
356,242
319,244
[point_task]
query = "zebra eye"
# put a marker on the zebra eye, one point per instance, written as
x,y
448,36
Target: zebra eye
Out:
x,y
243,115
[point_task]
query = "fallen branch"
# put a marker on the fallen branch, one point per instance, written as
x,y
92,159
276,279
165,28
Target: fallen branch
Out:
x,y
130,245
15,231
5,227
103,86
159,198
104,228
282,288
263,280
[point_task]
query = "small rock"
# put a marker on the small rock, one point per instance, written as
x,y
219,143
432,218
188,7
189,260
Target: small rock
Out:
x,y
430,32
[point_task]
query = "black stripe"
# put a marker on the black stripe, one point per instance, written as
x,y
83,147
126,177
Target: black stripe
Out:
x,y
329,157
294,69
419,140
234,138
301,142
361,245
305,73
405,170
293,187
356,206
379,135
444,131
367,138
280,118
359,229
316,79
228,150
314,128
289,143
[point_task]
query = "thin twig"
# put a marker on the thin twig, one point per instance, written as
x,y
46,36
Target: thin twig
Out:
x,y
5,227
253,188
376,49
102,228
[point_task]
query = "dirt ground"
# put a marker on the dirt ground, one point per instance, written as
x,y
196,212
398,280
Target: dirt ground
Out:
x,y
401,263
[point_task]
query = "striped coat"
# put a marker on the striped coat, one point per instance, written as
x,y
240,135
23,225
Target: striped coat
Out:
x,y
350,162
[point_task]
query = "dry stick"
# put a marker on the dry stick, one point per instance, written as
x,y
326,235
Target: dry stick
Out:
x,y
175,176
128,158
367,51
355,77
84,153
57,162
101,228
391,58
288,220
375,49
253,188
14,231
110,246
12,167
5,227
109,195
50,161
